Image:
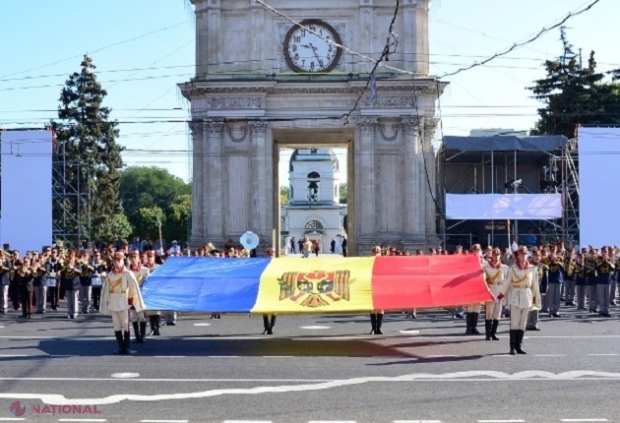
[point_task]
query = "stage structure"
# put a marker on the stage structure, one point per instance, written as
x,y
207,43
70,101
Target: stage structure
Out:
x,y
542,170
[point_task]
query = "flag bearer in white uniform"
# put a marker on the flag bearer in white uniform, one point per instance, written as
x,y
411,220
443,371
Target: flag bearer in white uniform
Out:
x,y
522,295
140,272
495,274
119,294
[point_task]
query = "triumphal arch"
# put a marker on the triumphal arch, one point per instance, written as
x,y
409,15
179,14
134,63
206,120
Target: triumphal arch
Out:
x,y
263,82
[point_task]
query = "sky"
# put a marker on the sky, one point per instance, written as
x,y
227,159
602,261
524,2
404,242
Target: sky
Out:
x,y
144,48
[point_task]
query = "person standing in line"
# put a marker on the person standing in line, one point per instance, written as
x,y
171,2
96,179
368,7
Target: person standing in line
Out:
x,y
522,295
269,320
317,247
604,270
473,310
39,285
344,247
52,277
590,263
138,318
376,316
4,285
307,247
495,274
542,278
86,286
70,280
97,275
580,282
154,316
292,245
23,278
569,278
119,295
554,284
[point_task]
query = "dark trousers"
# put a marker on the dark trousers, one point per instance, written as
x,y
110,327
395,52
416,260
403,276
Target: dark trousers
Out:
x,y
53,293
14,295
96,296
26,299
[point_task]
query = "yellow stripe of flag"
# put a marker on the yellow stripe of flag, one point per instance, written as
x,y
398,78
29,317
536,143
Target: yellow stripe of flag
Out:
x,y
323,285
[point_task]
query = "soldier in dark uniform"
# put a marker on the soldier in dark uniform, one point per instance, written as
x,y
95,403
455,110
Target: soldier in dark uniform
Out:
x,y
542,270
569,279
590,263
581,283
604,270
22,276
4,285
98,273
52,267
85,282
555,279
69,274
13,284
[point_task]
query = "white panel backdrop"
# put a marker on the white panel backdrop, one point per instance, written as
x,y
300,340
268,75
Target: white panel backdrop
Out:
x,y
504,206
26,196
599,195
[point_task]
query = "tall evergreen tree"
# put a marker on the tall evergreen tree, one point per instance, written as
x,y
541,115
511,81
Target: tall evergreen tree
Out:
x,y
573,94
86,141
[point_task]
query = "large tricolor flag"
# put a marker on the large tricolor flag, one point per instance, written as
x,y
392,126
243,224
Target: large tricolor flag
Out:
x,y
324,285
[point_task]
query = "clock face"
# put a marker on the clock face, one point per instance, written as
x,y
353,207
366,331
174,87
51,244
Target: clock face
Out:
x,y
307,52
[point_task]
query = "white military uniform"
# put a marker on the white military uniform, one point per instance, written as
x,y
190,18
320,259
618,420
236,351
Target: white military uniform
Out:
x,y
522,294
494,277
117,289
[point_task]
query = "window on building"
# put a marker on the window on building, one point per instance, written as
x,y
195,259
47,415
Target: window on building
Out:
x,y
314,224
313,186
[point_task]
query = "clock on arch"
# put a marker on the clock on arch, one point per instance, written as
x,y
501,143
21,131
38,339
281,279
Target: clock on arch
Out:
x,y
312,51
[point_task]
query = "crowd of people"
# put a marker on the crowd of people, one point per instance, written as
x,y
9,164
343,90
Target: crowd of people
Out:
x,y
523,281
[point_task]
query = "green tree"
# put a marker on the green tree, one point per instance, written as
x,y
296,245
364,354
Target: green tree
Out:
x,y
92,158
151,195
285,195
573,94
343,193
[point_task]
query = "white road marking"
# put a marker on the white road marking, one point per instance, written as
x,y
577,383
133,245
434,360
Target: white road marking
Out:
x,y
169,356
332,421
125,375
222,356
82,420
12,419
501,421
13,355
202,324
278,356
550,355
164,421
584,420
440,356
603,355
410,332
417,421
247,421
1,327
81,379
315,327
534,375
62,355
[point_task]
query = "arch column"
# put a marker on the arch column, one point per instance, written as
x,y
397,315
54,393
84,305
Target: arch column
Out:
x,y
213,195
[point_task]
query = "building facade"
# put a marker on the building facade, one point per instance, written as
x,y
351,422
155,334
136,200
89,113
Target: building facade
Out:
x,y
314,210
262,82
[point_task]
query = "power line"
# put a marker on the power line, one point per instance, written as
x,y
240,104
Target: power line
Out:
x,y
528,41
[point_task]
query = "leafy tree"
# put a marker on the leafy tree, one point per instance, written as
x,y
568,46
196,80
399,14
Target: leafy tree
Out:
x,y
150,196
573,94
343,193
92,158
285,195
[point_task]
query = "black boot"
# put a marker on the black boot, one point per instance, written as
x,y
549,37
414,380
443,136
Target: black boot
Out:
x,y
119,341
519,340
513,337
142,332
379,322
157,325
152,324
373,323
487,329
266,325
494,324
136,331
474,323
126,339
468,323
273,321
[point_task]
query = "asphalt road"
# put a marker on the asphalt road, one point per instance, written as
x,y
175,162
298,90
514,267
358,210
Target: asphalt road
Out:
x,y
321,368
